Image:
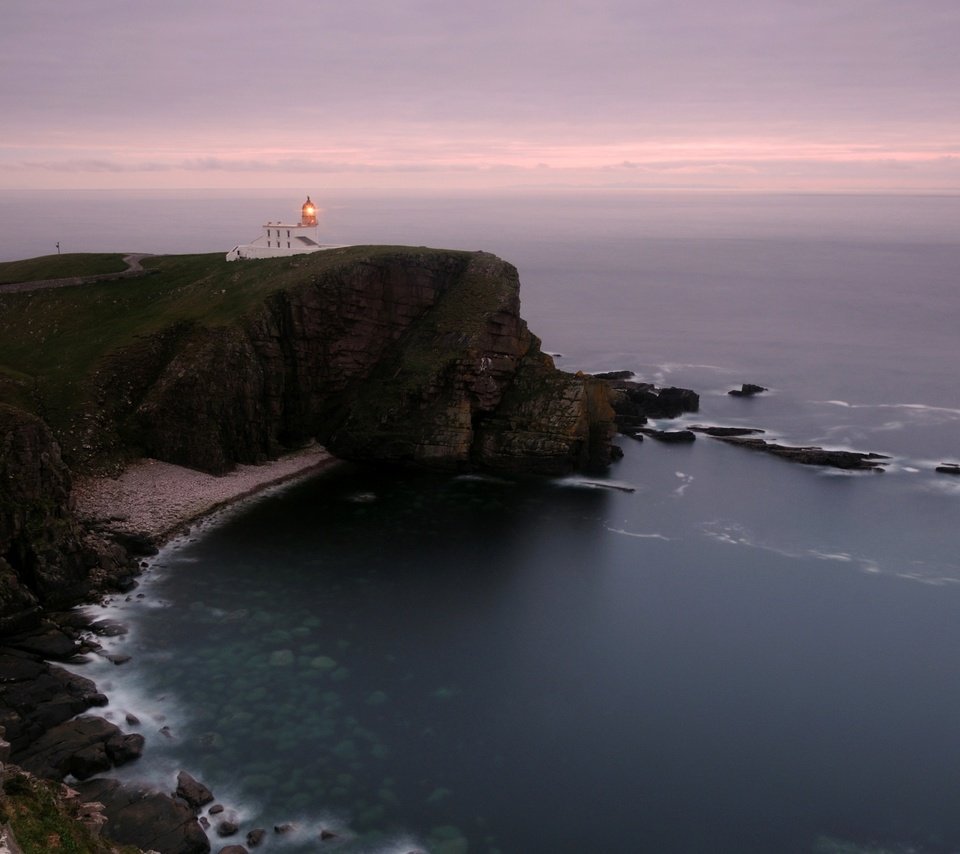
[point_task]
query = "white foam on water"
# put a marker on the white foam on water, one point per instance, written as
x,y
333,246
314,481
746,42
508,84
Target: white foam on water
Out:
x,y
735,534
687,480
577,482
636,534
483,478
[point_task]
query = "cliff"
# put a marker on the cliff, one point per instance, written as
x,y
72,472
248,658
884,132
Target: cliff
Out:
x,y
380,353
397,355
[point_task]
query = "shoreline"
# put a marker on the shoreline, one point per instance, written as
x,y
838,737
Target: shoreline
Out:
x,y
157,501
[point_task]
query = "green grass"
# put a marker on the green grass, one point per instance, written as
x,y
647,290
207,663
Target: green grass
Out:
x,y
52,340
60,267
42,823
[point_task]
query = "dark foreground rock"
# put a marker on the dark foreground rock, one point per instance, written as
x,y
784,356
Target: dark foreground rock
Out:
x,y
146,818
813,456
36,696
949,468
82,747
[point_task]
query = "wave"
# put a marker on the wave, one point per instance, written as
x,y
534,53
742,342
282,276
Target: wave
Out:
x,y
636,534
733,533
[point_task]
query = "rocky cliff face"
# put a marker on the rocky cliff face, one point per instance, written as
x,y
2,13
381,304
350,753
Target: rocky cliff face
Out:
x,y
41,558
402,356
46,558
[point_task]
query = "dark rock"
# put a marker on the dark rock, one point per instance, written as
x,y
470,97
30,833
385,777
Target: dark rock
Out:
x,y
747,390
108,628
216,809
614,375
35,696
49,642
147,819
123,748
193,792
42,561
227,828
949,468
670,436
132,719
233,849
82,747
727,431
117,658
284,828
634,403
136,543
255,837
813,456
326,835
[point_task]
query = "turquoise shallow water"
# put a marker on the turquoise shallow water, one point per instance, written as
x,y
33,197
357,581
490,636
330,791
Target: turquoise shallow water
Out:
x,y
742,655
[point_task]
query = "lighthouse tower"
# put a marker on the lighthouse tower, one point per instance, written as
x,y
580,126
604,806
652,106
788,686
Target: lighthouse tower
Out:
x,y
279,239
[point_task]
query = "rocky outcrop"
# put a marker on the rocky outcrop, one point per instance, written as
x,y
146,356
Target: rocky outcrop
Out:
x,y
148,819
636,402
747,390
406,356
813,456
47,560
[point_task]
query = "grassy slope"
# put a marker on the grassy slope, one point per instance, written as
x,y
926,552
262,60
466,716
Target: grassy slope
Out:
x,y
42,822
60,267
51,340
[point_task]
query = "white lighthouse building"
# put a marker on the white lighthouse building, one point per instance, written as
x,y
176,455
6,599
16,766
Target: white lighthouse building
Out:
x,y
280,239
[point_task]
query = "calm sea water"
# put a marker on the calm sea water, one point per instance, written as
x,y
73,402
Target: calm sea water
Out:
x,y
743,655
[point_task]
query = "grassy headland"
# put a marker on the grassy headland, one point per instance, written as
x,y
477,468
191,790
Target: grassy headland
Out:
x,y
52,341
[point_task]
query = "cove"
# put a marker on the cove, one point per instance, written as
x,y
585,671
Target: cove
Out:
x,y
427,662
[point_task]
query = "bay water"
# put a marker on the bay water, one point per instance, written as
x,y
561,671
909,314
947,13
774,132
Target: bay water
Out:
x,y
740,655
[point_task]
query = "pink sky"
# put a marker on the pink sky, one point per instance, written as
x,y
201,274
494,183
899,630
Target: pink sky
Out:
x,y
744,94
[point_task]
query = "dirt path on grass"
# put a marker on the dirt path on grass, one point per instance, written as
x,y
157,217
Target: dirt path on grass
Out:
x,y
134,270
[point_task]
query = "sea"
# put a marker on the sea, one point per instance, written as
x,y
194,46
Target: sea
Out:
x,y
739,654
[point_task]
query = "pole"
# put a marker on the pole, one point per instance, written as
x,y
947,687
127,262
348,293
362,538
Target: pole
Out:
x,y
58,247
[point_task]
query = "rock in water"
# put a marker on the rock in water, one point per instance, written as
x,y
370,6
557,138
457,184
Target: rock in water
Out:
x,y
747,390
193,792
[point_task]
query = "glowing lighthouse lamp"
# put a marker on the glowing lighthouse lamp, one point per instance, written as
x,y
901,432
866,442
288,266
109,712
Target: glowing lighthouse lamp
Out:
x,y
280,239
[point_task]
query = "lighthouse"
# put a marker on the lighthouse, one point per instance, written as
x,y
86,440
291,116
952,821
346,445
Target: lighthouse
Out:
x,y
279,239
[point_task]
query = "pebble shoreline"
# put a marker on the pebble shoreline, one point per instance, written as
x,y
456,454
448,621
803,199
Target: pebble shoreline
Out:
x,y
159,500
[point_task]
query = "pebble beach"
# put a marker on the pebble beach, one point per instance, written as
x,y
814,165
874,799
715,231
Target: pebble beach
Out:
x,y
159,499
